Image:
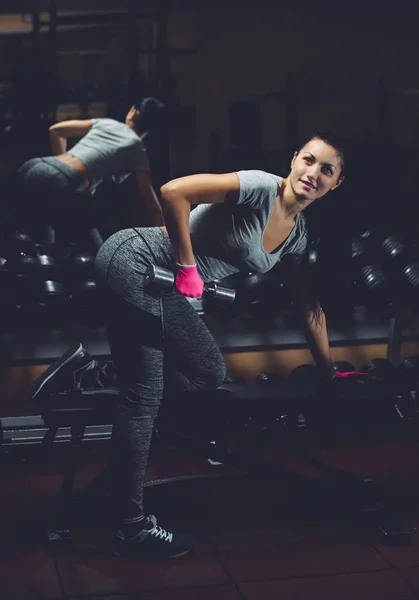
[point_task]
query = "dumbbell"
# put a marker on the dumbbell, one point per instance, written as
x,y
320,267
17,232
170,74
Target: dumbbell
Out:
x,y
396,252
227,312
263,295
81,266
397,259
304,374
309,373
47,267
48,271
372,284
269,378
401,261
388,249
21,269
22,244
84,296
22,255
359,252
352,403
374,238
42,294
381,368
233,380
408,282
160,279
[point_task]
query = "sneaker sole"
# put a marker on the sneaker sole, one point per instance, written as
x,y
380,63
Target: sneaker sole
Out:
x,y
183,553
139,554
150,555
56,366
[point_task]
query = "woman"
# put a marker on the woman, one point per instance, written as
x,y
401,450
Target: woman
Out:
x,y
244,221
61,187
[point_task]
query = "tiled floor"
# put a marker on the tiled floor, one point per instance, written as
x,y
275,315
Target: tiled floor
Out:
x,y
254,540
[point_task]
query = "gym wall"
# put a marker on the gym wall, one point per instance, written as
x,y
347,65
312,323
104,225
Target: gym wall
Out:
x,y
251,50
247,49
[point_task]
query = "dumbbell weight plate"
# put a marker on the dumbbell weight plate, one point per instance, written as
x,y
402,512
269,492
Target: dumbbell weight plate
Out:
x,y
81,267
51,292
23,244
233,380
272,378
381,368
158,278
223,295
47,267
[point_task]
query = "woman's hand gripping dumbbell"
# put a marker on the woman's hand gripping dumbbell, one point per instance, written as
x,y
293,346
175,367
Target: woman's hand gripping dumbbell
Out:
x,y
158,278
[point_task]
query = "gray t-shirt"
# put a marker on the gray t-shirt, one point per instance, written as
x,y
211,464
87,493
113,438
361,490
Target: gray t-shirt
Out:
x,y
228,238
111,149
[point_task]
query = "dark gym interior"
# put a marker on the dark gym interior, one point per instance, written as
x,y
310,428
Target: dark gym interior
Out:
x,y
290,493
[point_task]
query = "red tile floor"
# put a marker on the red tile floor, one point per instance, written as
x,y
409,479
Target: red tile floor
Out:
x,y
254,539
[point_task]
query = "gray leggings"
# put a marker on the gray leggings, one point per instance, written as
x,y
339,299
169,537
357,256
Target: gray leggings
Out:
x,y
158,343
47,194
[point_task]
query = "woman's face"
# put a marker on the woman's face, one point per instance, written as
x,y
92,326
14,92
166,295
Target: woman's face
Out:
x,y
315,170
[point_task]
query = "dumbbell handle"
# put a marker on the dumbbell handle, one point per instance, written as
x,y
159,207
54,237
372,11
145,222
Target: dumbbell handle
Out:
x,y
163,279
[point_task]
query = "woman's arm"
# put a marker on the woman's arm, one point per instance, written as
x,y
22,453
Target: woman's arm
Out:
x,y
149,198
318,341
177,197
297,280
59,133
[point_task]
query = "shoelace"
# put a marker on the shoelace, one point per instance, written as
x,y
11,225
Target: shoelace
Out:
x,y
100,373
78,373
105,374
161,533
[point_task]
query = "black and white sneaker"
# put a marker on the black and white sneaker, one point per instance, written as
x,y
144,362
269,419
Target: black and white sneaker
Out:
x,y
153,541
65,373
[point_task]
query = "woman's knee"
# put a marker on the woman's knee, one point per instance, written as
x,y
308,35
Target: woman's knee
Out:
x,y
218,374
137,404
211,377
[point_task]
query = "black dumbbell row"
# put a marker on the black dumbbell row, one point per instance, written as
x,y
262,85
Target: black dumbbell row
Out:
x,y
383,276
38,289
390,398
406,372
385,271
